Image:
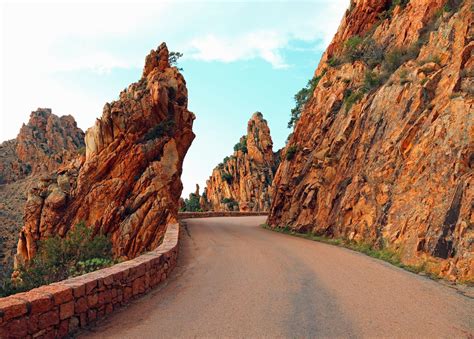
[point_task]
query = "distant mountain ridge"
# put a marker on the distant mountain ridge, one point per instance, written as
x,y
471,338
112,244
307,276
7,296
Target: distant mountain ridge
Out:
x,y
42,145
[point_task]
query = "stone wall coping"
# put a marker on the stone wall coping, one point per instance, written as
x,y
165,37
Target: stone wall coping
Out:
x,y
210,214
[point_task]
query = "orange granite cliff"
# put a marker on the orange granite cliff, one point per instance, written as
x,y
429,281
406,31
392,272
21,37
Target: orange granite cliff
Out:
x,y
383,150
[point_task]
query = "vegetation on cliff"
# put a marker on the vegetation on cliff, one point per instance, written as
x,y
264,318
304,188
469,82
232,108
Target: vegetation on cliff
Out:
x,y
301,98
129,182
192,204
59,258
44,144
386,254
242,182
381,151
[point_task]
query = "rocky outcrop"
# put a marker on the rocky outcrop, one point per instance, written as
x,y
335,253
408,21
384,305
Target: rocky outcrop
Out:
x,y
194,203
128,183
42,145
243,180
383,152
10,169
204,203
12,204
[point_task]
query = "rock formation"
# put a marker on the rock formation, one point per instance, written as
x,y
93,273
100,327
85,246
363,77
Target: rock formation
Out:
x,y
12,204
42,145
204,202
242,182
383,152
128,183
195,202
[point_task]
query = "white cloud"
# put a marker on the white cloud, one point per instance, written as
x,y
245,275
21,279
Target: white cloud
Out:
x,y
43,40
99,62
317,25
260,44
43,43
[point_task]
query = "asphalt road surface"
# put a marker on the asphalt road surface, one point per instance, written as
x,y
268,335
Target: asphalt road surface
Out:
x,y
236,279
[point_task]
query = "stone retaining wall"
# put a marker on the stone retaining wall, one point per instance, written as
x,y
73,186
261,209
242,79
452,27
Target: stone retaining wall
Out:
x,y
61,308
190,215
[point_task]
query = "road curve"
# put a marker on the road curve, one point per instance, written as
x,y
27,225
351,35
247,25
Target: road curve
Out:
x,y
235,279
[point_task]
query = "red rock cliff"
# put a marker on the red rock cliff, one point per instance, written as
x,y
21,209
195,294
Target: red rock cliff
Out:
x,y
128,183
383,151
242,182
42,145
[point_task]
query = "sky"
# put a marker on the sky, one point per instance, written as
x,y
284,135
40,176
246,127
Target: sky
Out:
x,y
239,58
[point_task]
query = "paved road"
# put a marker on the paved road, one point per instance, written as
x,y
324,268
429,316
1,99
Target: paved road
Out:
x,y
235,279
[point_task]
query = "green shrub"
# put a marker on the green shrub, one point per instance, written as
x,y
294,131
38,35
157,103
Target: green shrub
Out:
x,y
291,151
333,62
389,12
452,6
89,265
302,97
166,127
352,50
364,49
370,52
396,3
404,77
352,97
227,177
230,203
241,145
60,258
403,74
27,169
192,204
436,59
393,60
373,54
397,57
81,151
371,81
173,58
353,42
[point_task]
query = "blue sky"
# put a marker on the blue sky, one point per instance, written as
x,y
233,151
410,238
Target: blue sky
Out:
x,y
239,57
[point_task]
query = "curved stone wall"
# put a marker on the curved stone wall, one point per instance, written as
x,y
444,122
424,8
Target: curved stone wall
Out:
x,y
191,215
61,308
